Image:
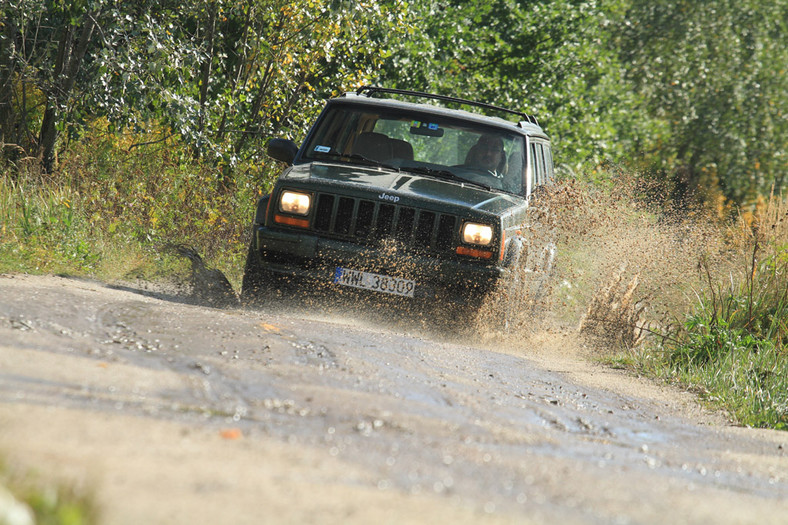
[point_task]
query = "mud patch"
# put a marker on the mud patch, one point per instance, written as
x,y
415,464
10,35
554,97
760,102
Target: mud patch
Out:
x,y
205,285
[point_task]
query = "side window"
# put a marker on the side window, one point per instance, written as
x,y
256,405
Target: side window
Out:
x,y
548,160
538,164
535,171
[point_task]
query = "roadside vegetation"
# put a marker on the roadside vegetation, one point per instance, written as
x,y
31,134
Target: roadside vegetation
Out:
x,y
694,300
127,126
732,345
44,502
110,208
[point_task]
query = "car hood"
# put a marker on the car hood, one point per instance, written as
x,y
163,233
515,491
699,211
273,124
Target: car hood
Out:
x,y
405,185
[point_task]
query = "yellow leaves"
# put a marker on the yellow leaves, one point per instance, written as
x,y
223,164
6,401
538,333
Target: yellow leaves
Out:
x,y
214,217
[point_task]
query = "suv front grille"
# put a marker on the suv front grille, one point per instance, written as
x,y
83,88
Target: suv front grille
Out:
x,y
369,222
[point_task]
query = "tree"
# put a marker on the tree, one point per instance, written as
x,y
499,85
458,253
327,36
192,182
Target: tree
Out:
x,y
221,74
42,50
551,58
716,75
227,75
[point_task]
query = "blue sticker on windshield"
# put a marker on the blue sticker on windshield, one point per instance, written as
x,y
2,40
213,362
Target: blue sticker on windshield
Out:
x,y
322,149
429,125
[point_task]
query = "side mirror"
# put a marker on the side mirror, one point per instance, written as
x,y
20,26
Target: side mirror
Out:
x,y
282,149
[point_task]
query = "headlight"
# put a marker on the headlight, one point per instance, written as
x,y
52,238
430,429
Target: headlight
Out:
x,y
295,203
479,234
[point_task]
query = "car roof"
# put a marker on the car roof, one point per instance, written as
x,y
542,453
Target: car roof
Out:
x,y
523,127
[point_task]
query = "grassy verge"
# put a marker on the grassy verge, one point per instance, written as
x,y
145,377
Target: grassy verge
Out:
x,y
27,500
111,206
731,348
691,300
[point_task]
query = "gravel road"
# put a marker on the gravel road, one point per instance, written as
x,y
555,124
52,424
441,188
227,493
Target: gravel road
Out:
x,y
170,412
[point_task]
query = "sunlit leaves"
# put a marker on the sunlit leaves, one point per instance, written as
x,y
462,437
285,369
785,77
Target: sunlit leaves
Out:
x,y
696,89
547,58
716,74
224,75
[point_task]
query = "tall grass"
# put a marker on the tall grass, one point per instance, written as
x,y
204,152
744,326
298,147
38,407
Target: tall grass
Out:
x,y
111,204
732,346
692,297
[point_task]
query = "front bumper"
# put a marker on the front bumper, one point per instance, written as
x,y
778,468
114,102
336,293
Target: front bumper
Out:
x,y
307,256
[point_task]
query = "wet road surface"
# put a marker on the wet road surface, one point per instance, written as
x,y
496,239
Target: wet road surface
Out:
x,y
209,414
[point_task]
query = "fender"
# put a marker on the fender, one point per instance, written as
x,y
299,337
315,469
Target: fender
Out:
x,y
513,251
262,210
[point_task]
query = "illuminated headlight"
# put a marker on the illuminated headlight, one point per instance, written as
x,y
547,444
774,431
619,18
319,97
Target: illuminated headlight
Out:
x,y
295,203
479,234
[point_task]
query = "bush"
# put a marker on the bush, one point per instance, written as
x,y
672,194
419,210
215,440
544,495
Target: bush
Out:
x,y
732,347
111,206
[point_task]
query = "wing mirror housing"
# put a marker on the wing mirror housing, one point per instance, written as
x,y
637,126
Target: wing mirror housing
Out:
x,y
282,149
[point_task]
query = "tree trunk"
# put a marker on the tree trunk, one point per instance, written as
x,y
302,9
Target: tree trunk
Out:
x,y
67,66
7,69
205,74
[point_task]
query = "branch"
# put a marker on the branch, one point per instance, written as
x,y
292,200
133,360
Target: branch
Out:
x,y
148,143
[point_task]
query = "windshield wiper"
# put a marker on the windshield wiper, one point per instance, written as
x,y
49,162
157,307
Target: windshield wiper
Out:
x,y
444,174
357,157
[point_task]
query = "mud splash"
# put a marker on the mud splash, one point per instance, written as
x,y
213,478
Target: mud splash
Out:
x,y
205,285
624,267
605,261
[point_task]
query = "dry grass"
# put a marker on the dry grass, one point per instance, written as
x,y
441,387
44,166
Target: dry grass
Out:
x,y
614,315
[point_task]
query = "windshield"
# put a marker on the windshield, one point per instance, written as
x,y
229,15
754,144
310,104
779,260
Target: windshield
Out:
x,y
422,143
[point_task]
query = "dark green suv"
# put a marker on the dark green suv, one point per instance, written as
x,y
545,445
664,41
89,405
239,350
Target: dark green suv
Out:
x,y
394,197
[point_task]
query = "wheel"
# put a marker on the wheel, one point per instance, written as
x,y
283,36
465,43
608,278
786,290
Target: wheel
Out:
x,y
259,285
522,297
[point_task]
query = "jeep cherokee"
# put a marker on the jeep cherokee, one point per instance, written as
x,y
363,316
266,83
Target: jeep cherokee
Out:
x,y
395,197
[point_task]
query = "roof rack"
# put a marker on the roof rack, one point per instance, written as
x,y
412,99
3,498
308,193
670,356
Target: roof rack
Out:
x,y
372,90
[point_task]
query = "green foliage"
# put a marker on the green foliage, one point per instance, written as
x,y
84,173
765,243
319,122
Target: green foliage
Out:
x,y
732,346
715,73
222,75
695,92
745,374
110,209
552,59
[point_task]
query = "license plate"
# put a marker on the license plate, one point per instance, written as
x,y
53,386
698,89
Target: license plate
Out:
x,y
374,281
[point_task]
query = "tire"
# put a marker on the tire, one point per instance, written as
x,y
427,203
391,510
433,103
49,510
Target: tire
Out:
x,y
524,293
258,285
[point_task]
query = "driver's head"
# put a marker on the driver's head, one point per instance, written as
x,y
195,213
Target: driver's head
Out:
x,y
487,153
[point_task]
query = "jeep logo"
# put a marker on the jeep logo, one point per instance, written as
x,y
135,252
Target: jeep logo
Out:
x,y
385,197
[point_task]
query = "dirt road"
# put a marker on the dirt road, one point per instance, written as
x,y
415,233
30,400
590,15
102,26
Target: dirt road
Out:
x,y
176,413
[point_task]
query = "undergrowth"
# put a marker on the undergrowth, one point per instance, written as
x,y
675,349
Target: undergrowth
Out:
x,y
111,206
732,346
689,299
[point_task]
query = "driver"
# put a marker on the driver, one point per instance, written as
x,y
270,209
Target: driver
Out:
x,y
487,154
